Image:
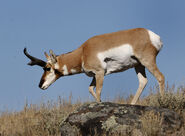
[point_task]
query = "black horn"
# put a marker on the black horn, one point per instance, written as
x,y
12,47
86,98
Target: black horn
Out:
x,y
34,61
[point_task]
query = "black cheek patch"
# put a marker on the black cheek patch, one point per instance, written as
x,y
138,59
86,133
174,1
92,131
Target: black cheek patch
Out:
x,y
57,72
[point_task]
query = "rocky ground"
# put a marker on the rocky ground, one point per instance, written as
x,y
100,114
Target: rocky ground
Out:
x,y
120,119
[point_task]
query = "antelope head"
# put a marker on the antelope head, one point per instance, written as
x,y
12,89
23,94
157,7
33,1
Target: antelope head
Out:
x,y
51,74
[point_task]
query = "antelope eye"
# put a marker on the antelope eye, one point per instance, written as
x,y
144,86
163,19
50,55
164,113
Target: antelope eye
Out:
x,y
47,69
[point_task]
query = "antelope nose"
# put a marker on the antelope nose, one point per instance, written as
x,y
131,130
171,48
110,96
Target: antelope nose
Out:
x,y
41,83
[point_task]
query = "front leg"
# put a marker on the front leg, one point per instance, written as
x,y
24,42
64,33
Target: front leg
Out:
x,y
91,88
99,84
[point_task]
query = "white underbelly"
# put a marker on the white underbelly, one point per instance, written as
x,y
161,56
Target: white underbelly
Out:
x,y
118,65
117,59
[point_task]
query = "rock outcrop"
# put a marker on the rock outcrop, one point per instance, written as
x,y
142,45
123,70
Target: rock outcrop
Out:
x,y
120,119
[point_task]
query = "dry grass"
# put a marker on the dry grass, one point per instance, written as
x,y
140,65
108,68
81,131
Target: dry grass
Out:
x,y
36,120
151,124
44,119
173,99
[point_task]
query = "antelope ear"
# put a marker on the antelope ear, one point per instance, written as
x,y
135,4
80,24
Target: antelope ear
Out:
x,y
47,56
53,57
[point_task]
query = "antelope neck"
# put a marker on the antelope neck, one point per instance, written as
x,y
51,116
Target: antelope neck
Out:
x,y
70,63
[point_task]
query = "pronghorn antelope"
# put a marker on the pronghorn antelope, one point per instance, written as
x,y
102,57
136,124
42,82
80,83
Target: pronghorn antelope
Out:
x,y
105,54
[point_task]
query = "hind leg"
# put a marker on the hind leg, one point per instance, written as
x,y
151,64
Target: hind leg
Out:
x,y
159,76
151,65
140,70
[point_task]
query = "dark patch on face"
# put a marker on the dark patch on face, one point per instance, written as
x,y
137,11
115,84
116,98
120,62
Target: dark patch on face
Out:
x,y
58,73
41,82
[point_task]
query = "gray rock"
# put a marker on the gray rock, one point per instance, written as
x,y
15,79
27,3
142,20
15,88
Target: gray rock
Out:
x,y
120,119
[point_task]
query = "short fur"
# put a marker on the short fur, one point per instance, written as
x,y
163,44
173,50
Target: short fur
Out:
x,y
109,53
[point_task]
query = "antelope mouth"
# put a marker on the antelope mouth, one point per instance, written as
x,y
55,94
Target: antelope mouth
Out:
x,y
44,87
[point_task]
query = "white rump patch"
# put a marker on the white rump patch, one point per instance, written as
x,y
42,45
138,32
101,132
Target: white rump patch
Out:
x,y
65,71
117,59
73,71
155,39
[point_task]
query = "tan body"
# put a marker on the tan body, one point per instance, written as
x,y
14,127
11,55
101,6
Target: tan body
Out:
x,y
110,53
